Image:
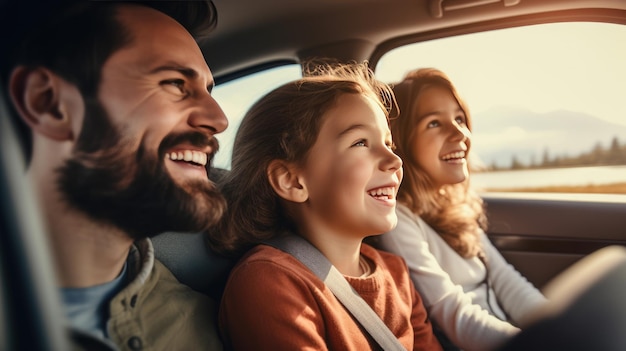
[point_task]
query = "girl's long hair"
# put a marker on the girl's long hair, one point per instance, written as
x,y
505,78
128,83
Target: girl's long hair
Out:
x,y
454,211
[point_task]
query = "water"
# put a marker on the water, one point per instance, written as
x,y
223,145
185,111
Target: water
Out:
x,y
550,177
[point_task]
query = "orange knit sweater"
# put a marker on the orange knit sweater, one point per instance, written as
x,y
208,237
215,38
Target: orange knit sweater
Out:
x,y
273,302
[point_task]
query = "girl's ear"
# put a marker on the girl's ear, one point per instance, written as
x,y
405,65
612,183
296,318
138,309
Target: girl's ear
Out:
x,y
284,180
41,99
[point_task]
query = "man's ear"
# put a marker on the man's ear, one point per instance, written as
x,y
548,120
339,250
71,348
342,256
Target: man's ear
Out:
x,y
284,179
40,98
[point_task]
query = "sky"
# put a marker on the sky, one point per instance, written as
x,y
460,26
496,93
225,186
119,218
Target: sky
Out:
x,y
576,66
585,63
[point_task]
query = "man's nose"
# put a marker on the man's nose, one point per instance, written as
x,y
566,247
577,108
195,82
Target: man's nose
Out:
x,y
208,115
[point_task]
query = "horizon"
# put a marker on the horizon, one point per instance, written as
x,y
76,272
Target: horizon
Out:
x,y
496,140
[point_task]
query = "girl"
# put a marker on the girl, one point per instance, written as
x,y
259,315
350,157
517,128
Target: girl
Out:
x,y
314,158
470,292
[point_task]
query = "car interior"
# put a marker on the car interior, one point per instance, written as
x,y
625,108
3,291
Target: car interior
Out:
x,y
540,233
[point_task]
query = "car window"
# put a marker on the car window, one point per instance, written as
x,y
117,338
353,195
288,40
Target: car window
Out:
x,y
237,96
547,103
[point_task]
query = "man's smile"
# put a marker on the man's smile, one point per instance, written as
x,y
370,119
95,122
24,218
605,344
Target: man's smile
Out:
x,y
189,162
191,156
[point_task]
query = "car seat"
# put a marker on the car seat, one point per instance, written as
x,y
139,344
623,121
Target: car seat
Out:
x,y
188,257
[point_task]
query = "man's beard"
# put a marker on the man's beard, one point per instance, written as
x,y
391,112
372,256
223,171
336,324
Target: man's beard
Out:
x,y
111,183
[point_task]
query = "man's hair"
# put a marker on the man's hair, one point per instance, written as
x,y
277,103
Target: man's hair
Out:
x,y
74,38
282,125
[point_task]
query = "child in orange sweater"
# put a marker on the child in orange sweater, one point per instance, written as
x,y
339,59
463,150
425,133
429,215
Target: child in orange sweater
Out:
x,y
314,158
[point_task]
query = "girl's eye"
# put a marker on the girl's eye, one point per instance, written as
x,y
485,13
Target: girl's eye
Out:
x,y
391,146
175,85
361,142
460,120
432,124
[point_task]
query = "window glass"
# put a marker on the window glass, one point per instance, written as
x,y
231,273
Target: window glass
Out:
x,y
237,96
548,103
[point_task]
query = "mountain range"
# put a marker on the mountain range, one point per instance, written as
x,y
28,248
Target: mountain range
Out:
x,y
504,132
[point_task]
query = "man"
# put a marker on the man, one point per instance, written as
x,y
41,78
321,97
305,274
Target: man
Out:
x,y
117,100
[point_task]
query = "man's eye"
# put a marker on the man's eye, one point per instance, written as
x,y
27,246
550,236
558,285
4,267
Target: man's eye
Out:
x,y
177,84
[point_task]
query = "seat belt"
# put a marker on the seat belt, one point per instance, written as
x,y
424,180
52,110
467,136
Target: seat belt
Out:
x,y
311,257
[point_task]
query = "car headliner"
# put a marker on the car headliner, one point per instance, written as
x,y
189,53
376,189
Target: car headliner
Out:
x,y
252,34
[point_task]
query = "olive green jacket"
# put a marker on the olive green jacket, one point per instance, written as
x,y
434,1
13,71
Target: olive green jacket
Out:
x,y
155,312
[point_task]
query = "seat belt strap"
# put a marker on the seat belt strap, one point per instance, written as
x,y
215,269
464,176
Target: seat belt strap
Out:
x,y
311,257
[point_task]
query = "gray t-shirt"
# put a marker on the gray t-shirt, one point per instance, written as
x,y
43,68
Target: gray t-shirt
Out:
x,y
87,308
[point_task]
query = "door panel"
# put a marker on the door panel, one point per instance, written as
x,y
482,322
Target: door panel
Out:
x,y
543,234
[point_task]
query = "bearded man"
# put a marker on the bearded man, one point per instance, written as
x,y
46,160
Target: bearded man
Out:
x,y
116,99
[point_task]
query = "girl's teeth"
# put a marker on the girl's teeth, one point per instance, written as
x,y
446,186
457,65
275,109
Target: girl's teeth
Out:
x,y
460,154
380,192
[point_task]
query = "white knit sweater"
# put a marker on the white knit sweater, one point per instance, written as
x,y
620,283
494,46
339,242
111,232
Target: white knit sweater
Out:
x,y
453,287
